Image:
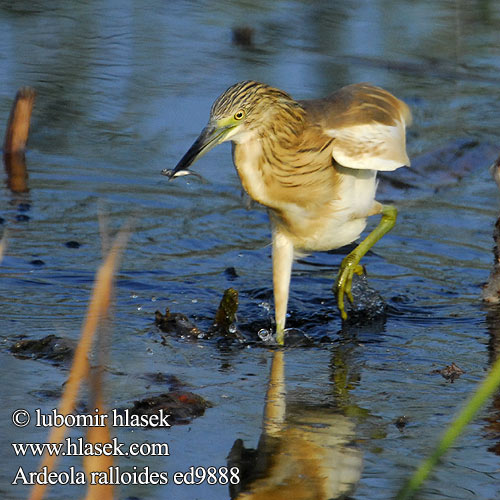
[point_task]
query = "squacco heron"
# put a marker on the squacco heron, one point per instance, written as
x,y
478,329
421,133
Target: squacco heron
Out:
x,y
313,164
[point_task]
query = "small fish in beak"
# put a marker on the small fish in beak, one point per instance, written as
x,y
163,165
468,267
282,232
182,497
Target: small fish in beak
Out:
x,y
171,173
210,136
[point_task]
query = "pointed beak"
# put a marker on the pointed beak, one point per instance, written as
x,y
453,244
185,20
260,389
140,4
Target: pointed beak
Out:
x,y
210,136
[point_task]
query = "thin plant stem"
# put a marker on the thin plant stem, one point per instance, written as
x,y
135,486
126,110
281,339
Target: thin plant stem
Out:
x,y
485,390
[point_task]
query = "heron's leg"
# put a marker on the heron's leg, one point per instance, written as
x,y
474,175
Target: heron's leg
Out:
x,y
350,264
282,270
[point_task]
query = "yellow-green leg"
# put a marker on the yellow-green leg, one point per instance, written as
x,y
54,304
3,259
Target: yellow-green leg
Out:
x,y
350,264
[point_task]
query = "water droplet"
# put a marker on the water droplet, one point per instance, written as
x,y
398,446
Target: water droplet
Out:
x,y
266,306
265,335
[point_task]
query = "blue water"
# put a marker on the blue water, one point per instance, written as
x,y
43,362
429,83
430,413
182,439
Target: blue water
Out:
x,y
123,88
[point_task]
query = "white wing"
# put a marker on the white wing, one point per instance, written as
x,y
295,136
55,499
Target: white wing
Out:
x,y
370,146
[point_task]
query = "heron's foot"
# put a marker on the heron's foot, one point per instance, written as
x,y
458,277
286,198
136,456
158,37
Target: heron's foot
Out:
x,y
280,335
350,266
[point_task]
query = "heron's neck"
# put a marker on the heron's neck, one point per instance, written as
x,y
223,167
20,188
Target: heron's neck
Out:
x,y
284,125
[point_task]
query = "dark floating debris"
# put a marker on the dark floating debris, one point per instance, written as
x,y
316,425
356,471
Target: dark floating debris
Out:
x,y
164,379
401,422
46,394
24,207
182,406
52,348
231,273
37,262
73,244
177,324
243,36
22,218
450,372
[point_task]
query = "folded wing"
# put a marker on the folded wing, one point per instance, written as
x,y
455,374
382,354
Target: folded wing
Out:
x,y
368,125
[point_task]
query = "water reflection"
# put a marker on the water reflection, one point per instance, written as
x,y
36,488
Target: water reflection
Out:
x,y
304,452
17,174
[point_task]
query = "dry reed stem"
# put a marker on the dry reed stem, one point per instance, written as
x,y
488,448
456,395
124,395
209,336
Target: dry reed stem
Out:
x,y
99,434
98,463
18,126
99,304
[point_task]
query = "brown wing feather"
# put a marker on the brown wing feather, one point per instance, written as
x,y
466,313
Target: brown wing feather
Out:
x,y
367,123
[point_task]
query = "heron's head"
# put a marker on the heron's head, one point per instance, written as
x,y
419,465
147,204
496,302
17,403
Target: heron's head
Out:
x,y
236,115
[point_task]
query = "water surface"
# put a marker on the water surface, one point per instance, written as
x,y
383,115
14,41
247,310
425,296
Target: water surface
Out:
x,y
123,90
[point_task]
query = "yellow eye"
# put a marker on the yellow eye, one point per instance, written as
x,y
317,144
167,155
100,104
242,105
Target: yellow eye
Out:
x,y
239,114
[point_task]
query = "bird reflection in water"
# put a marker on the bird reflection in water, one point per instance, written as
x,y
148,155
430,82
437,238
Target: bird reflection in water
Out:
x,y
303,453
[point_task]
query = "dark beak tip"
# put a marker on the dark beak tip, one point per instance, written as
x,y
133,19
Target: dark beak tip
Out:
x,y
168,173
206,141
